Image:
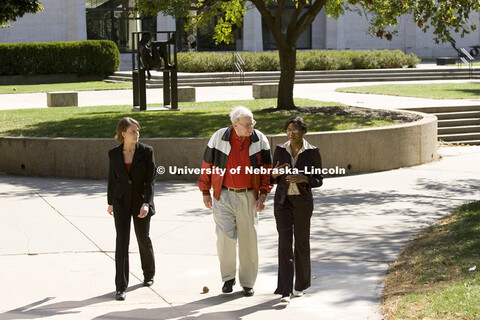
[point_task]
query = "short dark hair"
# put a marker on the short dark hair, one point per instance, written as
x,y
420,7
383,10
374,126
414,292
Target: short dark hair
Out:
x,y
298,121
123,125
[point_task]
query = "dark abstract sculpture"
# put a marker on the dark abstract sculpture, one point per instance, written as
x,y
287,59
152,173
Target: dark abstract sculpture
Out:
x,y
154,55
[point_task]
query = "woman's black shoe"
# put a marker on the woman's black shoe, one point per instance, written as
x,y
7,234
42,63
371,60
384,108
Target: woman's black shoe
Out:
x,y
121,295
147,283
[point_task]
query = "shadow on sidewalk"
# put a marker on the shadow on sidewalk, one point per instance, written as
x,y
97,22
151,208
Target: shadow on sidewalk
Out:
x,y
53,186
189,310
37,310
192,310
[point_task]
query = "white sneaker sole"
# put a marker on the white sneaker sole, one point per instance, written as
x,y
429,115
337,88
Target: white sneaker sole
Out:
x,y
298,293
285,300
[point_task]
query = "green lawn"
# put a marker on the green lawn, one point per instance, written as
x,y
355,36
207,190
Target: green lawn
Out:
x,y
430,91
74,86
431,279
200,119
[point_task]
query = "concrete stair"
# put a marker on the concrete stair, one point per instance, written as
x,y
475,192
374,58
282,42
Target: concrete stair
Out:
x,y
248,78
456,124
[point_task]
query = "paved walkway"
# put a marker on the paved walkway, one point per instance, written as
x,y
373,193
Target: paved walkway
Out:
x,y
57,242
315,91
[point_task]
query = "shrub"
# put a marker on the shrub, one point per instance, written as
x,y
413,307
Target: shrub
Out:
x,y
365,60
204,62
95,57
391,58
261,61
306,60
412,60
316,60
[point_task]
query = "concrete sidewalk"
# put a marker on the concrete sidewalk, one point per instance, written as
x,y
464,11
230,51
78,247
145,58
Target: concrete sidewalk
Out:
x,y
315,91
57,243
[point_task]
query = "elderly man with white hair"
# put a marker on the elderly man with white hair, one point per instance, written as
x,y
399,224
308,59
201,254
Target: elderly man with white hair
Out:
x,y
237,164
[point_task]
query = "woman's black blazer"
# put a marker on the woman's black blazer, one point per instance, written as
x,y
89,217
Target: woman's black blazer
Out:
x,y
308,159
128,191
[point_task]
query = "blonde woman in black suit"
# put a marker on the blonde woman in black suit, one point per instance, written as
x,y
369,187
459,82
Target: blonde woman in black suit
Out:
x,y
131,182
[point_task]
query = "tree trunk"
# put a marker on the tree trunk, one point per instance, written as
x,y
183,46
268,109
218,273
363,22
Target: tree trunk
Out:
x,y
288,60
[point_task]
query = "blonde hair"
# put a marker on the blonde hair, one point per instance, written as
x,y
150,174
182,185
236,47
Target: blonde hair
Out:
x,y
123,125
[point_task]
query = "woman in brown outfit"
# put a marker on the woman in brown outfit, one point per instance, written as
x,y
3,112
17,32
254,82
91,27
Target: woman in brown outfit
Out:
x,y
301,164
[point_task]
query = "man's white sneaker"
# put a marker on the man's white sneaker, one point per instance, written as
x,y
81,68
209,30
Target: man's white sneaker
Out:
x,y
298,293
285,299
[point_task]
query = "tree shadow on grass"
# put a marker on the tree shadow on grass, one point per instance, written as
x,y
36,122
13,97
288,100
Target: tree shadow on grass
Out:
x,y
153,125
466,93
173,124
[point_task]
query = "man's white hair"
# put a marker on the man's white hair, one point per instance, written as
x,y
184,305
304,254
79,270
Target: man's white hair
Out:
x,y
240,112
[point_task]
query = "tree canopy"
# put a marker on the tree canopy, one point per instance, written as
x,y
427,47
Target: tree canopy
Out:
x,y
10,10
442,17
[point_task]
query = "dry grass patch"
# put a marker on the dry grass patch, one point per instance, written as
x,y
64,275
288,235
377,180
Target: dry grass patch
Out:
x,y
432,278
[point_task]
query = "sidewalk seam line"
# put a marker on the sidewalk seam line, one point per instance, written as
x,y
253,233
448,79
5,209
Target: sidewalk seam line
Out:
x,y
104,252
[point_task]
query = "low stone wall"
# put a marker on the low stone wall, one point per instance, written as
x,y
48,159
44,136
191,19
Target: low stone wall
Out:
x,y
264,90
357,151
62,99
187,94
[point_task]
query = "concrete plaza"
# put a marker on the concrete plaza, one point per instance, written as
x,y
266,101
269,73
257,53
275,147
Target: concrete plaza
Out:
x,y
57,242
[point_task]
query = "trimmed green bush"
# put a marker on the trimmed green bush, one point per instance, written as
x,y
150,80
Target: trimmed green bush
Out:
x,y
93,57
306,60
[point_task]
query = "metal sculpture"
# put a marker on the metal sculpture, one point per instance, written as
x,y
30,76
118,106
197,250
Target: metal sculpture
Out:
x,y
154,55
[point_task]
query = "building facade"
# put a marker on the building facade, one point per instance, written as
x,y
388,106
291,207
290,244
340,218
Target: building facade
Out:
x,y
71,20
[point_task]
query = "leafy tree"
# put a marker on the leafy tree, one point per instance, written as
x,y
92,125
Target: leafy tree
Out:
x,y
10,10
444,17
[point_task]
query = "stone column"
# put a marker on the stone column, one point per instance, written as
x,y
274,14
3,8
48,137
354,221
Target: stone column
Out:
x,y
76,21
331,33
252,29
319,31
165,23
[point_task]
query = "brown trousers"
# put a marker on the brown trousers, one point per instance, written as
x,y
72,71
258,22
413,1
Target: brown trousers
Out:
x,y
293,221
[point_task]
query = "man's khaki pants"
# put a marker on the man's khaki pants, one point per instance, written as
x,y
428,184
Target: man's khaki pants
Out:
x,y
235,218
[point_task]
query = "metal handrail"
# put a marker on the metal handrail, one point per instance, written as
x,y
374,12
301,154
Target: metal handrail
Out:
x,y
467,59
239,58
239,64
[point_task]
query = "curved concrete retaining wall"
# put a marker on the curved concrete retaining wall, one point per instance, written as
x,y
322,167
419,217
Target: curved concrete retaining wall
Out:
x,y
358,151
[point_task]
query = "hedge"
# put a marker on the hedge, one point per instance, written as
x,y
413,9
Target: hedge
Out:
x,y
90,57
306,60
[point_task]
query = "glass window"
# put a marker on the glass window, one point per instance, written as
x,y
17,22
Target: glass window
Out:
x,y
99,25
93,4
303,42
123,4
113,20
204,37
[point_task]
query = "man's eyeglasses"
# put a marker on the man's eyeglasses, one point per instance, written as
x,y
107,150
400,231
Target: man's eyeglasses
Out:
x,y
292,131
248,125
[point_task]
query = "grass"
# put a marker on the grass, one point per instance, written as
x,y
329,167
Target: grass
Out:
x,y
199,119
431,279
430,91
74,86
